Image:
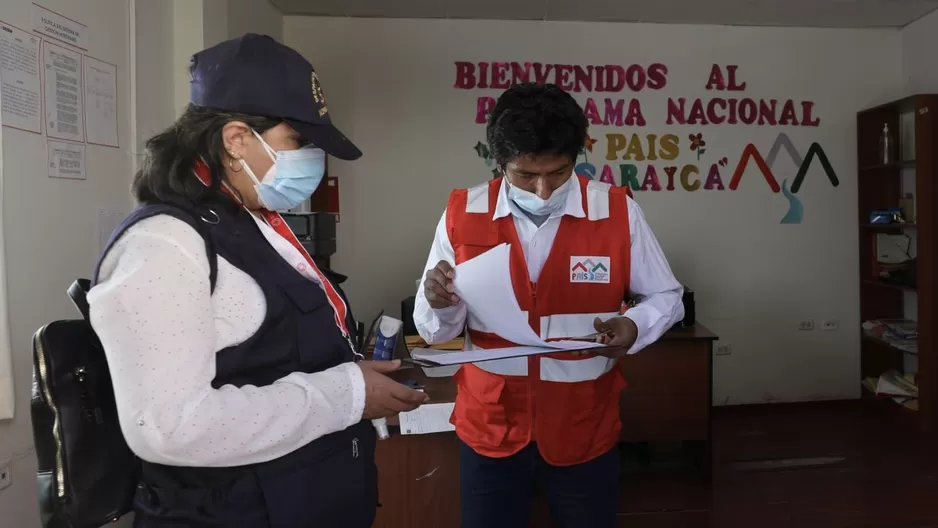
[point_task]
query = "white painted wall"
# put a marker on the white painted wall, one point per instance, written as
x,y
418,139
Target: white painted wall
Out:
x,y
214,19
198,24
155,70
919,42
50,230
254,16
188,38
389,84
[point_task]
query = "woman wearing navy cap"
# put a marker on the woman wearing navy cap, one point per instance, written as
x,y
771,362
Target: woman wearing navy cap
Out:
x,y
230,350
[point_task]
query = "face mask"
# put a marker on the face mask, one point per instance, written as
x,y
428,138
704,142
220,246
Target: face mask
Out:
x,y
292,179
537,206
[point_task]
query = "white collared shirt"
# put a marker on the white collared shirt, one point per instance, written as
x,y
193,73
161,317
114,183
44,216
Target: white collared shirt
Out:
x,y
651,281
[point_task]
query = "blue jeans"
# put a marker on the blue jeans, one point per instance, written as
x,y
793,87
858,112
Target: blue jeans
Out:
x,y
499,492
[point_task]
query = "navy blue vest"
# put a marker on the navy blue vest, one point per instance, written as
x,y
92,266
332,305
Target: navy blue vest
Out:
x,y
329,482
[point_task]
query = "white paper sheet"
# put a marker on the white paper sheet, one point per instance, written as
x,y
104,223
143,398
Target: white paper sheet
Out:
x,y
64,96
101,102
447,371
19,79
484,284
66,160
431,418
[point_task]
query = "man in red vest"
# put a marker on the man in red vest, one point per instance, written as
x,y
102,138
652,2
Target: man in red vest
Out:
x,y
579,249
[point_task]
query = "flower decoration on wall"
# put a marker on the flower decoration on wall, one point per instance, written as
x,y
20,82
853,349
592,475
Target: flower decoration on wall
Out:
x,y
482,150
588,147
697,143
589,143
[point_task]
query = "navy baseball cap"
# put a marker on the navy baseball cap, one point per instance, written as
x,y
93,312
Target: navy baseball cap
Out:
x,y
258,76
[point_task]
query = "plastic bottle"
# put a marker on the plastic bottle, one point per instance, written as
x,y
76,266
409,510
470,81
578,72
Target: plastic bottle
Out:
x,y
886,146
388,332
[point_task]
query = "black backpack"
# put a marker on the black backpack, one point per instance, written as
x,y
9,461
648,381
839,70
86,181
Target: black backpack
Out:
x,y
87,475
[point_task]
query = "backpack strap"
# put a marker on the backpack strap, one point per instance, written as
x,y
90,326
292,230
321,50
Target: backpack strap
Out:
x,y
79,289
78,293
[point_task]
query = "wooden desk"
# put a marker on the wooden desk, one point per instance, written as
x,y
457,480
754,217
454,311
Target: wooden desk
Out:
x,y
668,400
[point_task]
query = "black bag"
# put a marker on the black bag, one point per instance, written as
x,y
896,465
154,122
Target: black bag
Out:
x,y
87,474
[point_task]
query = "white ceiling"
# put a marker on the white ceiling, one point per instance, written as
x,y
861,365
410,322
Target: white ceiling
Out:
x,y
813,13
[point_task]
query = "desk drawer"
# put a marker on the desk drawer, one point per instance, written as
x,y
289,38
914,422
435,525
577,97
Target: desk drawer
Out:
x,y
668,398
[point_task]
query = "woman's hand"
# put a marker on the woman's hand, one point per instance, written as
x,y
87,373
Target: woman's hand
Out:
x,y
384,396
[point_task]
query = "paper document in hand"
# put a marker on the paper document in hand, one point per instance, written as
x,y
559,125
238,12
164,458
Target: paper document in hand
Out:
x,y
484,284
432,418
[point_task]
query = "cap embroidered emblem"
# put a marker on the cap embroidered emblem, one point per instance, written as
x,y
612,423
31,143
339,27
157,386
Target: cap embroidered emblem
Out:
x,y
317,93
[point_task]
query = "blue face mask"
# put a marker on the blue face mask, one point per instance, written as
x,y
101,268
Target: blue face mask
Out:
x,y
292,179
537,206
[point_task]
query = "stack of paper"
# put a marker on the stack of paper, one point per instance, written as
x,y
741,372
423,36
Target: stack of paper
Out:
x,y
898,333
484,284
892,383
900,388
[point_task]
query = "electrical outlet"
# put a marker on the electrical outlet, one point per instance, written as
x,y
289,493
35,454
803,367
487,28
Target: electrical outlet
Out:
x,y
830,325
723,349
807,324
6,475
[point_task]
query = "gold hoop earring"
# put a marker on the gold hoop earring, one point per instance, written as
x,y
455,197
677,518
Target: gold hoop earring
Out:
x,y
232,169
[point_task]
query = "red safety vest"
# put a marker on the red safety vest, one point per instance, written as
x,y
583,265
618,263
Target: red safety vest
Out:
x,y
568,403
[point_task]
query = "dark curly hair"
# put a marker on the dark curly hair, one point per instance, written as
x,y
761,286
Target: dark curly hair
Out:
x,y
534,119
166,173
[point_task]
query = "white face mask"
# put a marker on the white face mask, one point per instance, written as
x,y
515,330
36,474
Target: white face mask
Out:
x,y
536,205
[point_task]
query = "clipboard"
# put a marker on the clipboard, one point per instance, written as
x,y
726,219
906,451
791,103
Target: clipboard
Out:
x,y
459,357
443,358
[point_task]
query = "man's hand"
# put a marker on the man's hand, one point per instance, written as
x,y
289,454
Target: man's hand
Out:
x,y
384,396
621,335
438,286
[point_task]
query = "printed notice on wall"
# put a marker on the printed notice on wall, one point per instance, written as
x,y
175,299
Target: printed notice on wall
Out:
x,y
66,160
53,25
101,102
19,79
63,97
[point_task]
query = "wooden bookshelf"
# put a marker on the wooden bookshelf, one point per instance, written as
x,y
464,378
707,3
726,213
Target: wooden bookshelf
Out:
x,y
880,186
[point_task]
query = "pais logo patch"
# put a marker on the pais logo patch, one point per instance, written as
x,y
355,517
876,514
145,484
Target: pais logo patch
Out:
x,y
589,269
